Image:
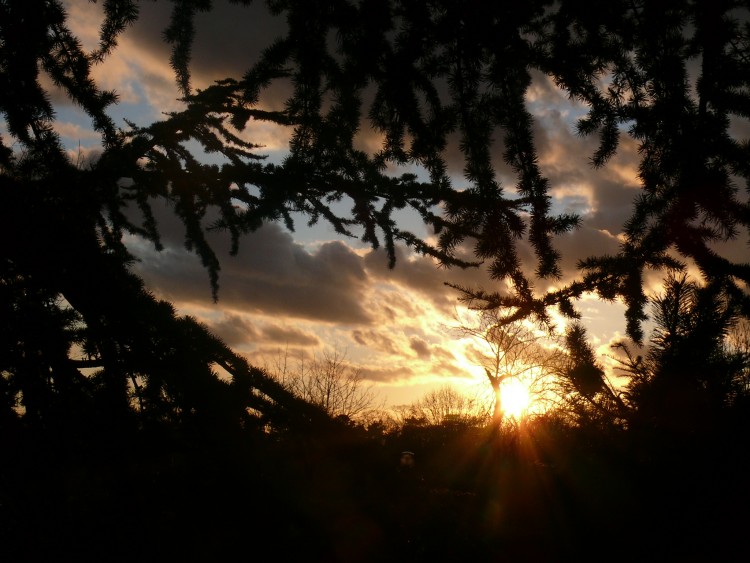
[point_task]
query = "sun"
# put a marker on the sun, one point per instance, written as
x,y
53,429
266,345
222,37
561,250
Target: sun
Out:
x,y
514,398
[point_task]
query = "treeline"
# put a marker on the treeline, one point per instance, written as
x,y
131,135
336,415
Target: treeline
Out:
x,y
644,468
647,469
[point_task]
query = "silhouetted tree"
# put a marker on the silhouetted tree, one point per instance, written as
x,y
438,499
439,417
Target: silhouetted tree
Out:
x,y
444,69
78,328
583,387
445,406
512,350
329,382
690,373
738,345
435,70
674,77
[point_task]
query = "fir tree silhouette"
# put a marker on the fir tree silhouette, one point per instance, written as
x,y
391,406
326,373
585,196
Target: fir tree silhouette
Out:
x,y
421,74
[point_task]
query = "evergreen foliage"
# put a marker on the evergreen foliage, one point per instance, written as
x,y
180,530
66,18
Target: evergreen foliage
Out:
x,y
434,71
690,378
447,69
110,399
586,375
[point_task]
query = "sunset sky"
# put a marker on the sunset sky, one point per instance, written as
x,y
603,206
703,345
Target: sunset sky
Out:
x,y
311,290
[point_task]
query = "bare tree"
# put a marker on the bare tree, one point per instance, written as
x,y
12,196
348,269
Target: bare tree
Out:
x,y
445,405
511,350
738,344
328,381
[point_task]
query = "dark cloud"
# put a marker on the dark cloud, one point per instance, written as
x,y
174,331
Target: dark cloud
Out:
x,y
455,160
289,335
377,340
228,41
604,196
419,273
617,187
739,128
386,374
582,243
420,347
237,330
614,205
234,329
272,275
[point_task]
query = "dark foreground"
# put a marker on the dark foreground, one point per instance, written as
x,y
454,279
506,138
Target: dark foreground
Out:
x,y
542,492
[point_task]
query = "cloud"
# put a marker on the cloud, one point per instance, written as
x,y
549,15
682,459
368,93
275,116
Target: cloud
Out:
x,y
379,374
420,347
238,330
281,295
138,71
613,206
289,335
75,132
228,39
272,275
584,242
234,329
84,156
604,196
420,273
377,340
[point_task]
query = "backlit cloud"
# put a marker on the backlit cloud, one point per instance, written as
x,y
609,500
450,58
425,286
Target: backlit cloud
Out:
x,y
234,329
285,295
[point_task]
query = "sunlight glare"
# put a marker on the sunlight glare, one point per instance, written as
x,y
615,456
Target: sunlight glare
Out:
x,y
515,398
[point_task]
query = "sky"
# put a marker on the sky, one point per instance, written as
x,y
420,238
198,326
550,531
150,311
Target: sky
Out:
x,y
303,293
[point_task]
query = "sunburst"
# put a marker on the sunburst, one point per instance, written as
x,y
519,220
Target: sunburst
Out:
x,y
514,398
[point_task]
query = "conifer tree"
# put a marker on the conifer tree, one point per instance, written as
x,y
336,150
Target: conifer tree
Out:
x,y
69,301
89,358
690,376
442,69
